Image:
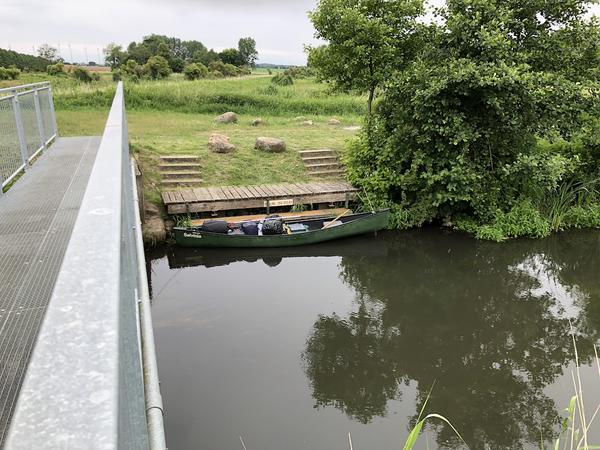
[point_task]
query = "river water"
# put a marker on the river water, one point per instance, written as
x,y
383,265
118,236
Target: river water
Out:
x,y
295,348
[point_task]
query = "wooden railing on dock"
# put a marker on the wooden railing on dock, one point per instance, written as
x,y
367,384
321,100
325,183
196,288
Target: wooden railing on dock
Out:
x,y
229,198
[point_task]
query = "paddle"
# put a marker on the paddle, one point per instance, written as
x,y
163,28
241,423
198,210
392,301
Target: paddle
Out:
x,y
336,219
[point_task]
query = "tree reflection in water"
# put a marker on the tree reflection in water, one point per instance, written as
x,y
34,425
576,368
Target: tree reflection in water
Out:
x,y
488,323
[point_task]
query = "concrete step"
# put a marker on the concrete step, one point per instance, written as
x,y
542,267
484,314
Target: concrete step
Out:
x,y
183,182
179,175
320,167
175,167
320,160
340,173
317,153
179,159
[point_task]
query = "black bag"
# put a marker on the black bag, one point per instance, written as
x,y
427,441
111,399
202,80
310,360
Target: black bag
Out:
x,y
272,227
250,228
215,226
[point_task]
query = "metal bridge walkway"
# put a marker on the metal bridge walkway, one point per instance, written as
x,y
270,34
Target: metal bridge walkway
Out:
x,y
37,216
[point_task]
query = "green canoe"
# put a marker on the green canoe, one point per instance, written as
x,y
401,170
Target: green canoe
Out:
x,y
351,225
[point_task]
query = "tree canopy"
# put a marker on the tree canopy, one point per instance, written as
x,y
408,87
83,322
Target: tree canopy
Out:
x,y
458,126
367,40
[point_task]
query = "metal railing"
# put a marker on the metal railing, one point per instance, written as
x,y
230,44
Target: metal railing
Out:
x,y
92,381
27,127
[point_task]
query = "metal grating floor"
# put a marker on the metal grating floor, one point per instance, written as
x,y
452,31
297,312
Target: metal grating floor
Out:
x,y
36,219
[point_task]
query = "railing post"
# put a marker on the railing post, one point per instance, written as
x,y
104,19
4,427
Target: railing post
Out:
x,y
38,115
52,112
20,131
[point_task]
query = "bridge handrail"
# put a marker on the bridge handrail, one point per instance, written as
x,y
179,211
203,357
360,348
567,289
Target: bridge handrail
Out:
x,y
27,127
85,387
13,89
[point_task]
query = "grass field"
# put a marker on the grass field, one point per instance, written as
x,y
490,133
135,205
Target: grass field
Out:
x,y
176,116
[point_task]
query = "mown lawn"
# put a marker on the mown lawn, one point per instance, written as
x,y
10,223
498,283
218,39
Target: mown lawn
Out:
x,y
153,134
176,116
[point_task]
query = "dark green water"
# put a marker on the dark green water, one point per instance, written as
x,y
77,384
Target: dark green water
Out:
x,y
294,349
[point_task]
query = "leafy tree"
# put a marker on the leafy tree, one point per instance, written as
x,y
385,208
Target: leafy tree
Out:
x,y
114,55
247,51
195,71
48,52
22,61
177,64
456,132
231,56
157,67
367,41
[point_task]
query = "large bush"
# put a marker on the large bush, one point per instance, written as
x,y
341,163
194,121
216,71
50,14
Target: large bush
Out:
x,y
82,74
195,71
56,69
282,79
10,73
157,67
457,133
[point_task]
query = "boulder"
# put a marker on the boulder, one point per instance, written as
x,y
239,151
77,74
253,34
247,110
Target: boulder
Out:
x,y
219,143
299,118
256,122
334,122
307,123
270,145
228,117
352,128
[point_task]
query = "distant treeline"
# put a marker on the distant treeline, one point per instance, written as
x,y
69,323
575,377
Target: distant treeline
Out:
x,y
23,62
179,53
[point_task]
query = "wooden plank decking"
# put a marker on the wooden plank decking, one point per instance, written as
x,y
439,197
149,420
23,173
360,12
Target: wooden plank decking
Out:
x,y
227,198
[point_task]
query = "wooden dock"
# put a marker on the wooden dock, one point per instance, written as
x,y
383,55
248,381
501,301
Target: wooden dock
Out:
x,y
230,198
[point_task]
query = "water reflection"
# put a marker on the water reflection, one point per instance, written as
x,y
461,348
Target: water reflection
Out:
x,y
489,323
362,329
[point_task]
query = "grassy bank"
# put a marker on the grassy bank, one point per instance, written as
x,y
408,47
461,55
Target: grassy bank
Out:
x,y
176,116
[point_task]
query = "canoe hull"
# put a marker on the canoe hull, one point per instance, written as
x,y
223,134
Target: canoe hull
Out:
x,y
367,224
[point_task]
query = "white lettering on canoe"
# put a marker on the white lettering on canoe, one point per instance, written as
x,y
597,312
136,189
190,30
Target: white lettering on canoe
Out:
x,y
193,236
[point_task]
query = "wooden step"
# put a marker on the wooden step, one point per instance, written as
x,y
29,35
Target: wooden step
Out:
x,y
320,159
179,175
179,159
182,182
329,173
174,167
320,167
317,153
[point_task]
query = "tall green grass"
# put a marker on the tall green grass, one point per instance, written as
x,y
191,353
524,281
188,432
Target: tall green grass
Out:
x,y
248,95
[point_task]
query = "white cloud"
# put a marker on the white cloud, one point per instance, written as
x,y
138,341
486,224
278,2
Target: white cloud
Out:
x,y
281,28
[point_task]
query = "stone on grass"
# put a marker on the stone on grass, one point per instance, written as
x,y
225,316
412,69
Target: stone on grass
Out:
x,y
352,128
307,123
228,117
300,118
272,145
219,143
334,122
256,122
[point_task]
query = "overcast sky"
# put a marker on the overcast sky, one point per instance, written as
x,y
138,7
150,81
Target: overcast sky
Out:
x,y
280,27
